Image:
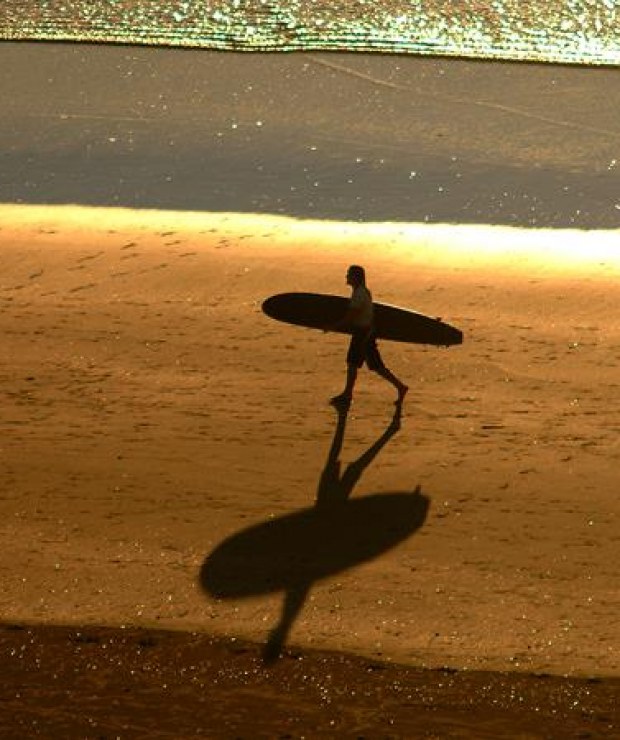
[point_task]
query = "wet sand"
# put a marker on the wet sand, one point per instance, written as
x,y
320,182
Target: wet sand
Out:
x,y
334,136
153,415
142,684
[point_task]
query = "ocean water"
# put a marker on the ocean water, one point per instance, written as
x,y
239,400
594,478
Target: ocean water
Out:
x,y
585,32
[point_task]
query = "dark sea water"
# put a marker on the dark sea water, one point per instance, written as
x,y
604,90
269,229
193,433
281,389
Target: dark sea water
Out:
x,y
569,31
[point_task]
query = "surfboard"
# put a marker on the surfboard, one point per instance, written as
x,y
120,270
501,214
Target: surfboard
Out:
x,y
318,310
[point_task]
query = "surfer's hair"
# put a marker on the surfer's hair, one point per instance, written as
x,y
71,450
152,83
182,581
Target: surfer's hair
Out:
x,y
358,272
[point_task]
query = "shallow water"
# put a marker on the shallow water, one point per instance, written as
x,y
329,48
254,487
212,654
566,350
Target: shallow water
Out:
x,y
571,31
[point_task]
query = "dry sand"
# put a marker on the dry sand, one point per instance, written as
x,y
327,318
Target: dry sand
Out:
x,y
152,413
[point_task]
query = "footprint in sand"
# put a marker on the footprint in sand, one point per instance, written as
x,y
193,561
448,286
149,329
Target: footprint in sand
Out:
x,y
89,257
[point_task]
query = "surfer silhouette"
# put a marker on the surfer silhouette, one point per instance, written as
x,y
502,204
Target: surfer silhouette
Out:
x,y
363,345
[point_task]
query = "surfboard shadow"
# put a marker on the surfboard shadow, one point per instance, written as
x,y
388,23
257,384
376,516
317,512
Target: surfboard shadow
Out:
x,y
292,552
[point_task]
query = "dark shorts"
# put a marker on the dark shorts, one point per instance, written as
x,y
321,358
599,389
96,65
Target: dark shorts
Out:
x,y
363,349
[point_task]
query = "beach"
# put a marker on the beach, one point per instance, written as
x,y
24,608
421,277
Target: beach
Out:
x,y
153,413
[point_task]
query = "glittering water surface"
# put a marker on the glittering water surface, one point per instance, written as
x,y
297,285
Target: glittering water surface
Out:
x,y
569,31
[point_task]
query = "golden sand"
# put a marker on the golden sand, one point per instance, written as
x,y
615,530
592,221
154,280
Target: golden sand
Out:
x,y
151,411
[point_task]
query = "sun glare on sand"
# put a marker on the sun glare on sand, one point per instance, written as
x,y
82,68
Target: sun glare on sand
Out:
x,y
557,251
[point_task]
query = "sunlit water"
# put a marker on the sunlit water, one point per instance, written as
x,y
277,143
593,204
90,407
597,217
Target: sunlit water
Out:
x,y
566,31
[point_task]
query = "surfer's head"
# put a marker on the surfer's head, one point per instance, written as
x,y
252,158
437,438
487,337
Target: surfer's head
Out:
x,y
356,275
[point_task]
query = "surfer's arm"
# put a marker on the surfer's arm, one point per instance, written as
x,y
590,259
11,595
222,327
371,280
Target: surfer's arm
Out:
x,y
353,312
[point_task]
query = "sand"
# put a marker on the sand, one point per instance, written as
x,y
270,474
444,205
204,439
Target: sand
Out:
x,y
152,413
100,683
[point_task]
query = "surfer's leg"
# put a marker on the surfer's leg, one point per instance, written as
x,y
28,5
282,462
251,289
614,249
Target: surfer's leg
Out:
x,y
355,359
376,364
347,394
398,384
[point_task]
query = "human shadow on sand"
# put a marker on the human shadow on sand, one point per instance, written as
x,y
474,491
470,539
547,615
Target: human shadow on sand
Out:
x,y
292,552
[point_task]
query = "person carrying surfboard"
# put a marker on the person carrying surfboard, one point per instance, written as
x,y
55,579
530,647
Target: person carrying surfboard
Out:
x,y
363,345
